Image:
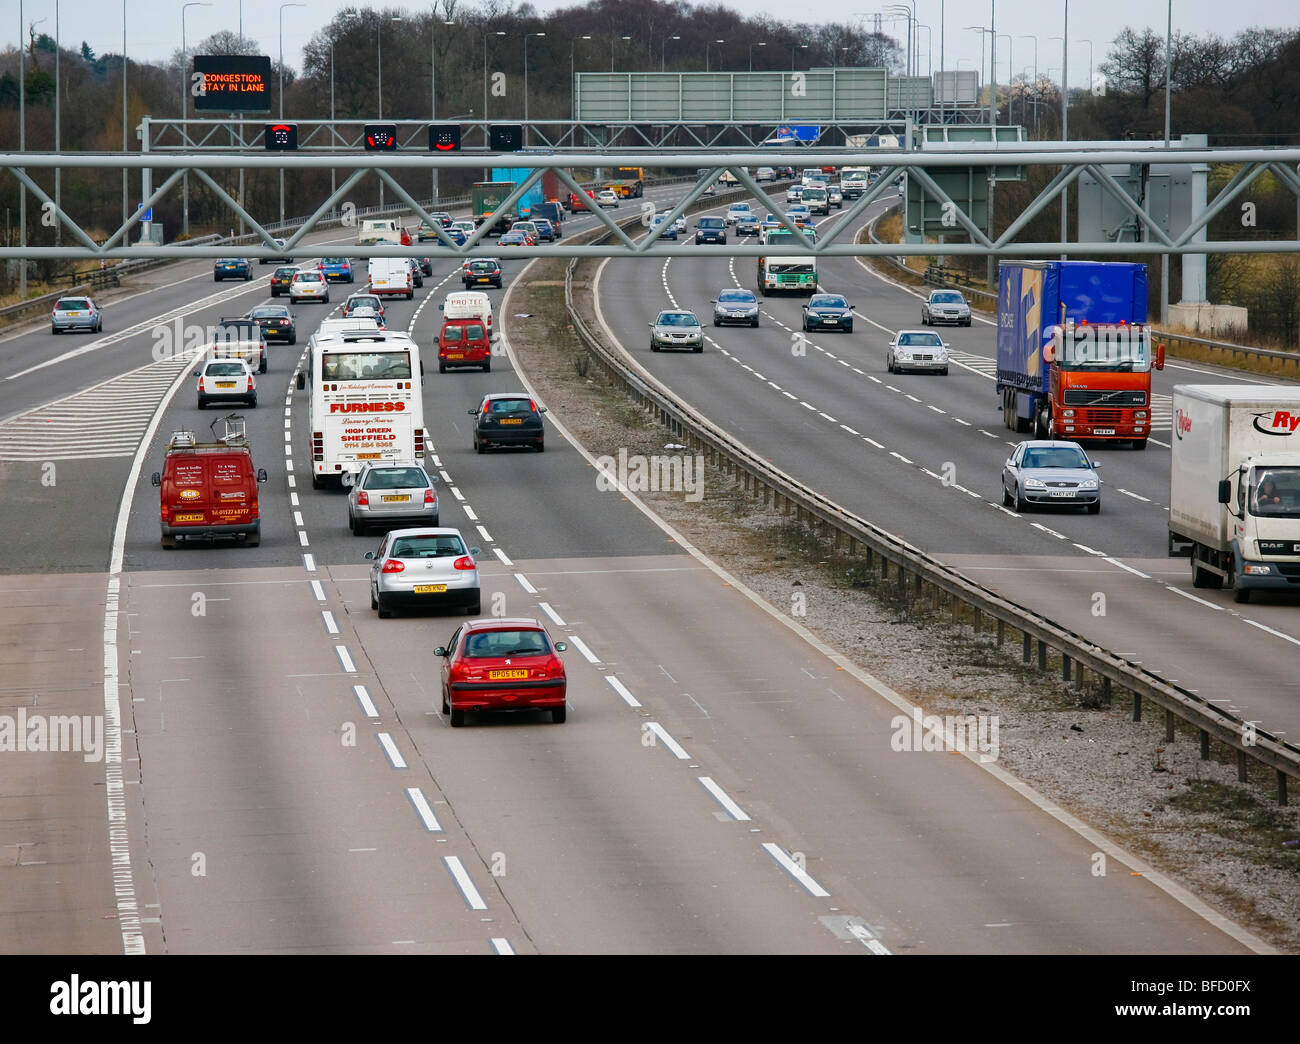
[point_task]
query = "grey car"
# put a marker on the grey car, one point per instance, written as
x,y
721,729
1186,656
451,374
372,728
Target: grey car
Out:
x,y
945,306
274,260
428,568
676,328
76,313
390,494
1050,472
917,350
735,306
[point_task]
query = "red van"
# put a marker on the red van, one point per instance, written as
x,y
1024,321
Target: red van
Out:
x,y
209,489
464,342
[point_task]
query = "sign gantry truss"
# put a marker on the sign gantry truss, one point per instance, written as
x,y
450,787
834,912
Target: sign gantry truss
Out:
x,y
919,167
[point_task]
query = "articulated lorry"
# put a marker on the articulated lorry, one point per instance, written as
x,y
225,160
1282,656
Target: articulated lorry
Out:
x,y
486,198
1074,350
1234,486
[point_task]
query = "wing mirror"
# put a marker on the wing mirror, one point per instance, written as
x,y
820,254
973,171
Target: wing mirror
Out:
x,y
261,474
369,556
561,647
1096,464
440,650
1225,490
475,550
157,480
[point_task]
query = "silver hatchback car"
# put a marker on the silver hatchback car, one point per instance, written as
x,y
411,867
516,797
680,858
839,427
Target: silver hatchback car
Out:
x,y
76,313
423,569
388,494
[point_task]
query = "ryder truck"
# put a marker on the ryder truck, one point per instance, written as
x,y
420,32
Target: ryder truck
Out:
x,y
1075,351
1234,486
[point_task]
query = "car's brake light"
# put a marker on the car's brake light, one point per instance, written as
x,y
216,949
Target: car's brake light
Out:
x,y
200,384
428,496
532,405
393,565
464,562
363,498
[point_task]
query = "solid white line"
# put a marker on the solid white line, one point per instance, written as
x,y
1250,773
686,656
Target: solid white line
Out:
x,y
669,742
318,590
1275,634
423,810
503,947
505,560
724,800
331,627
464,883
390,748
367,704
1194,598
1135,572
345,658
523,582
581,646
622,690
546,608
795,870
1085,547
309,563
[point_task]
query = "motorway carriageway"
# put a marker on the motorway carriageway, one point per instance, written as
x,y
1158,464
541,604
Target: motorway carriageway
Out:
x,y
921,455
286,782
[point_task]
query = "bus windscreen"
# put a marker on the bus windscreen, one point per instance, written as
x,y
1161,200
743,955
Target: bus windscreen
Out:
x,y
365,366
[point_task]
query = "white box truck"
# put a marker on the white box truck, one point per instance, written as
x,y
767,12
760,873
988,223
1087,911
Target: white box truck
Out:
x,y
391,276
1234,486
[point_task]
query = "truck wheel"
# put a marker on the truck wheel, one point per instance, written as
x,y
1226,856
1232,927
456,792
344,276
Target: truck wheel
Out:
x,y
254,539
1241,594
1139,444
1042,425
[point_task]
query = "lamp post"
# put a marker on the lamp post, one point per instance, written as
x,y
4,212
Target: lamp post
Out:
x,y
573,77
1011,98
486,34
909,14
379,47
282,7
795,49
761,43
1065,117
707,44
663,50
1035,39
982,31
929,48
333,132
433,90
612,44
125,117
527,37
185,112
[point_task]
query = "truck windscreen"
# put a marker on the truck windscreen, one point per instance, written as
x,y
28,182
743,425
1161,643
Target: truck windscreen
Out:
x,y
1276,493
1093,348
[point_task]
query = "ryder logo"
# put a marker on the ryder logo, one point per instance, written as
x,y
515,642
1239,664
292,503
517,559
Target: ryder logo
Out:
x,y
1182,424
1279,422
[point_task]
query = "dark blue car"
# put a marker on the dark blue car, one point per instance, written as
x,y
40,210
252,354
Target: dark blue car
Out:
x,y
336,270
710,230
231,268
828,312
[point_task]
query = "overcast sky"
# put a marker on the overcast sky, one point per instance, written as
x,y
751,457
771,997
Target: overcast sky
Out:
x,y
154,26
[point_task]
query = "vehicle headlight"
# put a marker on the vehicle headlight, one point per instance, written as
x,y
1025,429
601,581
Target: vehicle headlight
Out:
x,y
1067,413
1258,570
1033,483
1140,415
1088,484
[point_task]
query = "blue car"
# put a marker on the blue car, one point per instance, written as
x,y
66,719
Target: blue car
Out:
x,y
545,230
456,235
76,313
668,233
231,268
828,311
710,230
337,270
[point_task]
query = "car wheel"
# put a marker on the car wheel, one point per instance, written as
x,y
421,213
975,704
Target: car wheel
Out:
x,y
966,323
352,528
374,602
755,324
698,348
203,403
1020,502
293,338
457,718
943,372
1006,496
252,401
1094,508
1139,444
316,482
924,320
248,277
848,328
654,347
1241,594
475,609
541,446
254,539
558,715
99,326
487,366
261,366
54,329
385,613
715,322
478,446
216,278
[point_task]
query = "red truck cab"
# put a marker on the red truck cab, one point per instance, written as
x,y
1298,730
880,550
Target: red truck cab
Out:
x,y
464,342
209,489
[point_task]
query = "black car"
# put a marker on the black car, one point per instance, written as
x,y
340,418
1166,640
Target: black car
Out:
x,y
281,278
276,322
508,419
481,272
711,230
828,312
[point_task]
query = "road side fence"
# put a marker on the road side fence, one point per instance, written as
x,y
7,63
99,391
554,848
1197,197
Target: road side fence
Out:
x,y
920,579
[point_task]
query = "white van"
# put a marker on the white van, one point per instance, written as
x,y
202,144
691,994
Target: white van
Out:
x,y
468,304
383,230
391,276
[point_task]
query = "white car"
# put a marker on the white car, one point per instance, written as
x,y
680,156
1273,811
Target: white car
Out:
x,y
468,227
917,350
606,198
309,286
794,194
226,380
765,174
737,211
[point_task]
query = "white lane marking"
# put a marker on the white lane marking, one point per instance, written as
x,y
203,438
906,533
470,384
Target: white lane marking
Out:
x,y
464,883
868,940
807,405
469,513
1194,598
962,422
789,396
293,500
827,416
724,800
302,538
331,625
309,563
1049,532
1164,444
581,646
445,477
622,690
795,870
457,493
505,560
367,704
523,582
669,742
1135,496
1091,551
487,537
935,408
912,397
899,456
851,431
422,809
1275,634
297,519
390,748
873,442
988,433
503,947
345,658
1128,568
318,590
546,608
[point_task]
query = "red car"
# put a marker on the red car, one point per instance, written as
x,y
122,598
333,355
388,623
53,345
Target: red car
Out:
x,y
502,664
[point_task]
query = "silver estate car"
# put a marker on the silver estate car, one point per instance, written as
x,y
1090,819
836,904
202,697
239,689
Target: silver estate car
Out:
x,y
389,494
76,313
735,305
423,569
1050,472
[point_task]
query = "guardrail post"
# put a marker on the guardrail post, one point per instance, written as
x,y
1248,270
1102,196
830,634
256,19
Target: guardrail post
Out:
x,y
1029,645
1205,745
1281,787
1042,655
955,606
1078,675
902,582
1002,630
1169,726
1137,706
1105,691
1242,763
884,568
1065,666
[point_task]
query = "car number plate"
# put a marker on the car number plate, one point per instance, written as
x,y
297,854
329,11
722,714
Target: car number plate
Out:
x,y
512,420
1104,431
225,384
1063,493
830,322
367,456
502,675
455,355
396,498
430,588
484,279
273,329
188,518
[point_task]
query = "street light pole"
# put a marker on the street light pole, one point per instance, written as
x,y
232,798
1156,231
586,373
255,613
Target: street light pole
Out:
x,y
282,7
795,49
125,117
1035,39
706,52
573,76
486,34
761,43
663,49
612,45
185,112
1065,117
527,36
433,90
1089,43
982,31
333,184
1011,64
